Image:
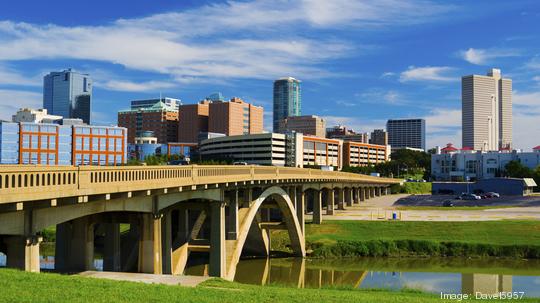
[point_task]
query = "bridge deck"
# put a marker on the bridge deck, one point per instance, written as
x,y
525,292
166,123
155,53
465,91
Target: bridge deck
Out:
x,y
19,183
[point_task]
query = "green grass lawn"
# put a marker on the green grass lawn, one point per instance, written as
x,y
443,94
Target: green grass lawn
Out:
x,y
509,239
20,286
488,232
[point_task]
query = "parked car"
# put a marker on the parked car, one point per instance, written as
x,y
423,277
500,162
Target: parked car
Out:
x,y
240,163
492,195
448,204
466,196
178,162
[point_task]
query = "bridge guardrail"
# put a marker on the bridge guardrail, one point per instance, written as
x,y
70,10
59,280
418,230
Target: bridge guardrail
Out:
x,y
30,182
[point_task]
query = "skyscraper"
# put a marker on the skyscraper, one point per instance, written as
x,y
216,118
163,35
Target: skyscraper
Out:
x,y
287,100
68,94
486,111
379,137
406,133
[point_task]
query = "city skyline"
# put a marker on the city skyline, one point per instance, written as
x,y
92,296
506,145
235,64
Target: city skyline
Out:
x,y
396,60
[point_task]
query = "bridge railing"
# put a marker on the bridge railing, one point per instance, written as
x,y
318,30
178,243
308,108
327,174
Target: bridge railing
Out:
x,y
27,182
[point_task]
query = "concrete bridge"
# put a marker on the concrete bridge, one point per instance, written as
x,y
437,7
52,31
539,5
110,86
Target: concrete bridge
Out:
x,y
150,219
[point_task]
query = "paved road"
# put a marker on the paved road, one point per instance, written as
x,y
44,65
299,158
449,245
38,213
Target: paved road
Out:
x,y
190,281
382,208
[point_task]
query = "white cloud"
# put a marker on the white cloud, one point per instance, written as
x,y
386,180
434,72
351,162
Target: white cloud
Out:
x,y
10,76
534,63
427,73
388,74
12,100
235,39
485,56
378,96
129,86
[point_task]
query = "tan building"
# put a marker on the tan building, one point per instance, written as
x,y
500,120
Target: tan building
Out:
x,y
307,125
161,119
379,137
363,154
486,111
343,133
321,152
235,117
193,120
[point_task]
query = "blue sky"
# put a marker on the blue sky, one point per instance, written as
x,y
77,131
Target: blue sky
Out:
x,y
361,62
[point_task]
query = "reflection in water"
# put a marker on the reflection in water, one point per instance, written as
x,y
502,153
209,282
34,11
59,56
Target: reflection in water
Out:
x,y
448,276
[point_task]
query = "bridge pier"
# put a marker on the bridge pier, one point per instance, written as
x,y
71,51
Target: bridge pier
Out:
x,y
150,248
300,208
362,192
349,197
372,192
74,247
341,198
330,202
378,192
23,252
317,207
112,251
217,240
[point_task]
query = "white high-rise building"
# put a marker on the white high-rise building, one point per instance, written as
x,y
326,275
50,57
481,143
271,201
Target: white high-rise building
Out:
x,y
486,111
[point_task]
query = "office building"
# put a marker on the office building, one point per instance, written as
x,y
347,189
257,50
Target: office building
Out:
x,y
193,119
346,134
293,149
145,103
34,116
287,100
68,94
486,111
160,118
407,133
453,164
362,154
54,144
307,125
235,117
148,145
379,137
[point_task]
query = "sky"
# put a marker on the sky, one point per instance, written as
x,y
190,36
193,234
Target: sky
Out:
x,y
361,62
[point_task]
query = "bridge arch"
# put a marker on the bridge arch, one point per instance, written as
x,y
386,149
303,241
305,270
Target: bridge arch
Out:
x,y
247,218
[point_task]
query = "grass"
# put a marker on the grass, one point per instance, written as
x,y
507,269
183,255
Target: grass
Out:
x,y
415,188
20,286
513,239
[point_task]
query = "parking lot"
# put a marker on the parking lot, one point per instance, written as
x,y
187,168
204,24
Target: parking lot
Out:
x,y
438,200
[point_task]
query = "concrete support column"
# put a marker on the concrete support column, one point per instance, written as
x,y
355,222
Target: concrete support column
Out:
x,y
232,233
112,250
378,191
247,197
372,192
23,252
330,202
317,207
150,251
75,245
292,195
341,198
350,197
300,208
362,194
358,198
166,244
217,240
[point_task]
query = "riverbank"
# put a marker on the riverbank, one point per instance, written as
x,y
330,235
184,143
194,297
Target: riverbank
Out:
x,y
20,286
512,239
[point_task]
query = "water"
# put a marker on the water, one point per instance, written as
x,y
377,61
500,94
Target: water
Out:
x,y
433,275
436,275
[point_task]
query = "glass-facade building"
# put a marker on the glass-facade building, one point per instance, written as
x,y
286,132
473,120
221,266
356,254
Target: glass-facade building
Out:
x,y
287,100
406,133
53,144
68,94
